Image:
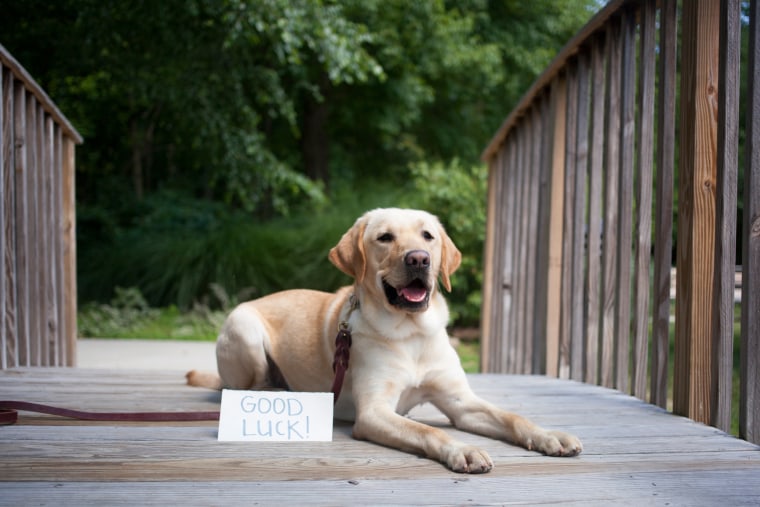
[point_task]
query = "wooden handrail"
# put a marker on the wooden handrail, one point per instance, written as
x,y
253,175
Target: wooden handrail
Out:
x,y
48,105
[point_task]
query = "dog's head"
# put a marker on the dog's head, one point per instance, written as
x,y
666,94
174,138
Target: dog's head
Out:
x,y
397,254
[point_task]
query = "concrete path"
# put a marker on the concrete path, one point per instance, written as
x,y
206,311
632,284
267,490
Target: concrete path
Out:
x,y
145,354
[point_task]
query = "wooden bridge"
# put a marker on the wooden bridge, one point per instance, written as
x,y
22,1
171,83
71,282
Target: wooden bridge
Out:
x,y
571,273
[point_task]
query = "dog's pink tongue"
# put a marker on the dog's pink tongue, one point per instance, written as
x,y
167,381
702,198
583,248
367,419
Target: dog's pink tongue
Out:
x,y
413,294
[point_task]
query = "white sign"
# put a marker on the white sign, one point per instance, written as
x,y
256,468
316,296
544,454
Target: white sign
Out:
x,y
279,416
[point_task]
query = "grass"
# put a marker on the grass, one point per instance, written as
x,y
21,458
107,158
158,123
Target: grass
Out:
x,y
128,316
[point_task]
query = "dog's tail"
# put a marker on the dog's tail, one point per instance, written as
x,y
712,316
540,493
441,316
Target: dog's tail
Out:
x,y
206,379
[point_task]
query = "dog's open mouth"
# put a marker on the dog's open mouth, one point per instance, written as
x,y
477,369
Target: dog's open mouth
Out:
x,y
414,296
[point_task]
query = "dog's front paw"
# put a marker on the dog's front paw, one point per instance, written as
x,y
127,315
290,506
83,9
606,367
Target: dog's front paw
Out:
x,y
557,443
467,459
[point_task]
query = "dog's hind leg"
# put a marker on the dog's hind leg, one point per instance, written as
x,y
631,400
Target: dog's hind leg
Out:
x,y
241,350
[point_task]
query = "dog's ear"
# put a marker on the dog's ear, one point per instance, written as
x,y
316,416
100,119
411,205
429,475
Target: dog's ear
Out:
x,y
451,258
348,254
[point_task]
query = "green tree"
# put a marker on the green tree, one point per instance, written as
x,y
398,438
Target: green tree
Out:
x,y
200,115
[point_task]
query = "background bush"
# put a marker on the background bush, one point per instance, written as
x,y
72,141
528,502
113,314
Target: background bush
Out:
x,y
185,252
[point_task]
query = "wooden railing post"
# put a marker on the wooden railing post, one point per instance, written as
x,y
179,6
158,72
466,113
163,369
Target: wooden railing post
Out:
x,y
749,412
69,325
666,111
554,275
696,211
726,202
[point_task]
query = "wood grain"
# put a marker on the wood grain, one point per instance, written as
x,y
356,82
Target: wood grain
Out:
x,y
694,371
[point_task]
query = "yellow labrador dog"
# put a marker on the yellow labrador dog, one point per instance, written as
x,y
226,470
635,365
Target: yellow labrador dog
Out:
x,y
400,357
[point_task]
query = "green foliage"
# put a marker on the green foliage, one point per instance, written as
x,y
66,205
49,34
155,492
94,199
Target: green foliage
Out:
x,y
128,316
181,251
219,99
207,122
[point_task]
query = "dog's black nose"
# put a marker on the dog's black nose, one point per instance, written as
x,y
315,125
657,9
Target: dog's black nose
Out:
x,y
417,259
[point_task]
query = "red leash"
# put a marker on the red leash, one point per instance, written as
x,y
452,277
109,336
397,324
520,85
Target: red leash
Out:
x,y
9,414
340,361
342,349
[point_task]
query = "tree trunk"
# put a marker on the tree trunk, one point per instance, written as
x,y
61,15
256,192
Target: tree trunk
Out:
x,y
315,139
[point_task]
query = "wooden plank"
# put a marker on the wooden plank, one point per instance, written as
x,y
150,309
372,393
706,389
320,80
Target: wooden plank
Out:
x,y
501,251
492,285
58,232
33,231
596,167
69,252
514,359
490,257
625,202
644,158
5,195
43,235
696,211
508,277
611,210
749,410
568,488
9,307
577,338
725,212
566,306
543,239
554,275
21,226
51,231
664,202
532,238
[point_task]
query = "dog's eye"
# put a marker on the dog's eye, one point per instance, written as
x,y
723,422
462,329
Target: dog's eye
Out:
x,y
385,238
427,235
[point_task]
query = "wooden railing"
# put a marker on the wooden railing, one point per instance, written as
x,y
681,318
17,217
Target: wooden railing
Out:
x,y
576,281
37,241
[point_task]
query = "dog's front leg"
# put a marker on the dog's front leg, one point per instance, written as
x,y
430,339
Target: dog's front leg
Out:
x,y
384,426
470,413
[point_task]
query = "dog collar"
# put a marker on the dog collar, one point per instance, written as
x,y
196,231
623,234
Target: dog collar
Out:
x,y
342,349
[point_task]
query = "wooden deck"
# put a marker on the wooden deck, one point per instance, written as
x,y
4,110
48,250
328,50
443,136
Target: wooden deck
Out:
x,y
635,453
